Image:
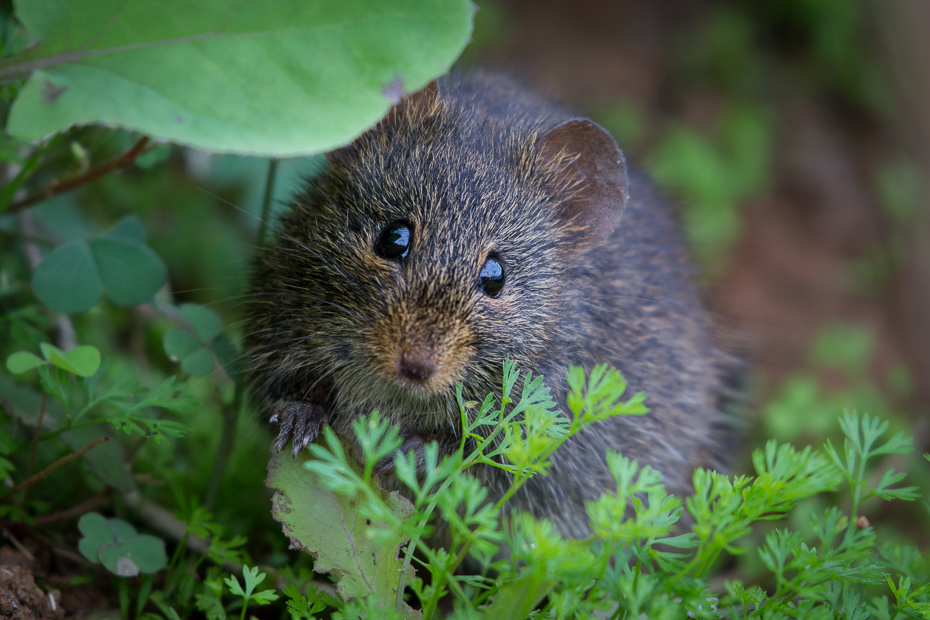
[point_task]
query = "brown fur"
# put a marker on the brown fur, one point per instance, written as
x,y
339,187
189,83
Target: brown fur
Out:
x,y
478,165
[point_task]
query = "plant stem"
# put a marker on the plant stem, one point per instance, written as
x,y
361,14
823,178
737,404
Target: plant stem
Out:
x,y
71,427
266,200
124,597
28,482
60,187
35,444
28,169
224,449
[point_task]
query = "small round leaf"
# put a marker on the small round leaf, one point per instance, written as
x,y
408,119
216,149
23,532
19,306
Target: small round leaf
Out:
x,y
21,361
199,363
97,533
82,361
85,360
128,558
205,322
130,272
148,552
227,355
122,531
116,544
129,228
179,344
67,280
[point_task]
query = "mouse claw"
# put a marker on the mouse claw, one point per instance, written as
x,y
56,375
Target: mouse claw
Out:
x,y
412,443
302,420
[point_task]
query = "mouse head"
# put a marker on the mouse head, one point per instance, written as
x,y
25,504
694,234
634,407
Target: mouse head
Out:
x,y
438,244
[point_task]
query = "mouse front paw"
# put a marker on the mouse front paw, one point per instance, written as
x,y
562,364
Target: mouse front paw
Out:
x,y
412,443
302,420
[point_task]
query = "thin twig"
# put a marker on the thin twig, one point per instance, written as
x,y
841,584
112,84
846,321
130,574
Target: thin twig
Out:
x,y
28,482
9,536
59,187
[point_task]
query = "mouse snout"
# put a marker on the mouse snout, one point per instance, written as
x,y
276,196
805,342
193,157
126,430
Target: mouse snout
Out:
x,y
417,365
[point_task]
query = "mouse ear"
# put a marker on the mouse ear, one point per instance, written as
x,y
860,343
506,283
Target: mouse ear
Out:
x,y
590,182
403,103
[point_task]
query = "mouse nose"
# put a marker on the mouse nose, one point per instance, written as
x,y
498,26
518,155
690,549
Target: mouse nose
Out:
x,y
416,366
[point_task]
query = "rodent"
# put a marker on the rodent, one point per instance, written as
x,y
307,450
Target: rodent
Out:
x,y
477,222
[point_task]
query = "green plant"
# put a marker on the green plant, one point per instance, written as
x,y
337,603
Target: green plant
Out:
x,y
640,559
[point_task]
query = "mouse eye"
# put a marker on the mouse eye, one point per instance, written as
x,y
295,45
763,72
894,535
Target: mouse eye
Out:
x,y
492,277
394,242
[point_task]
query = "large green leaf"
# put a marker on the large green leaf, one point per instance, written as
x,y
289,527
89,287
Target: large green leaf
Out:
x,y
67,280
331,528
269,77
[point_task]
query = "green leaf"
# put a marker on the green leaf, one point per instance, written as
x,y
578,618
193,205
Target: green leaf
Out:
x,y
96,533
82,361
252,579
21,361
205,322
227,355
179,344
107,461
182,347
518,598
198,364
129,228
130,272
116,544
234,586
67,280
153,158
140,554
279,78
85,359
334,531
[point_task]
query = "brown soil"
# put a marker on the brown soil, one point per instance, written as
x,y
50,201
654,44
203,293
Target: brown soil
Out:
x,y
20,597
53,597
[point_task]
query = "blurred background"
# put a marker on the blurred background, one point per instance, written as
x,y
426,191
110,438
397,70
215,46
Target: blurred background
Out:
x,y
792,136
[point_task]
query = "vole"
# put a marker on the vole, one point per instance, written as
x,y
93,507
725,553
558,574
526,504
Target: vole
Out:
x,y
477,222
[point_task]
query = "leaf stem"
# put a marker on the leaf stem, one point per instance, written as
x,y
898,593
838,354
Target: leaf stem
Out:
x,y
266,200
224,450
35,443
70,427
60,187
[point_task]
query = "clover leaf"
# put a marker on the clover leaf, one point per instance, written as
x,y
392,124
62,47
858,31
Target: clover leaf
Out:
x,y
118,547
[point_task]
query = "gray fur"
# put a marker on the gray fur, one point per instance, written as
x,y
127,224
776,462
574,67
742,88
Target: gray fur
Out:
x,y
327,315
